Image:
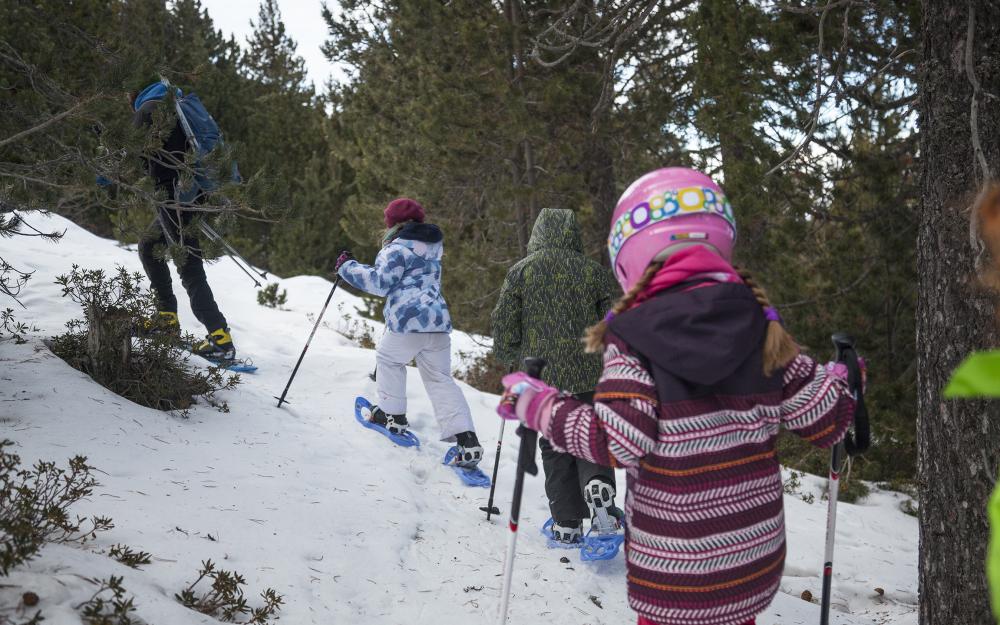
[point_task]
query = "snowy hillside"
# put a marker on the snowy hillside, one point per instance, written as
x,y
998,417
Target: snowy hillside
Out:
x,y
349,528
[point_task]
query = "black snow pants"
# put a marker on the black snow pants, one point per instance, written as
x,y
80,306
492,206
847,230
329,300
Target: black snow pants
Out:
x,y
566,476
152,247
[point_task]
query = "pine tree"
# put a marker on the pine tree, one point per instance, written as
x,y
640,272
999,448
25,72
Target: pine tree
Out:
x,y
959,441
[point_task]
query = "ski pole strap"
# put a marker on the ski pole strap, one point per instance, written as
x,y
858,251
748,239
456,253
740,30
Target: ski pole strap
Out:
x,y
529,438
859,440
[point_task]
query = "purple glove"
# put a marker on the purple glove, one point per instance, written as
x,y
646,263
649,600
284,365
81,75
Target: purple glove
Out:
x,y
343,258
527,399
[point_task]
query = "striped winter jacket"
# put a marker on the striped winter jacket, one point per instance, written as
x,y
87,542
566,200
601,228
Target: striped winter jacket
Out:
x,y
684,405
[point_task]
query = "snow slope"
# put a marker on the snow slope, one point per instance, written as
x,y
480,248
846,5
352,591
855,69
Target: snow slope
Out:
x,y
347,527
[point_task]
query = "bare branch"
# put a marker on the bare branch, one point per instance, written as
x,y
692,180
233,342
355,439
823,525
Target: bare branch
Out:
x,y
52,120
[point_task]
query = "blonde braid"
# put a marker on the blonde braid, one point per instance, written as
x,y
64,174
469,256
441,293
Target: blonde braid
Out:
x,y
779,346
594,337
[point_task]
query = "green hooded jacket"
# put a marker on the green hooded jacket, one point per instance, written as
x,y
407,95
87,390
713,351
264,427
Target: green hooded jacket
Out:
x,y
549,299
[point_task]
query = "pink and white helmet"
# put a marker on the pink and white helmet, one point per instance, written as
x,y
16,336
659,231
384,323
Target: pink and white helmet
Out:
x,y
662,211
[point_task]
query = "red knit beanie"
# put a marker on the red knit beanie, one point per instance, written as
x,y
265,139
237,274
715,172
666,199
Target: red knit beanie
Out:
x,y
403,209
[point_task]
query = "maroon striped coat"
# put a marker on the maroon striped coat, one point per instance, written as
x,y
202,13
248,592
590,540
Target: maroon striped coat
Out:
x,y
683,404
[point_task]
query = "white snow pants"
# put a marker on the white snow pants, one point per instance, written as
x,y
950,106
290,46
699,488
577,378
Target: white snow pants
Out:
x,y
432,351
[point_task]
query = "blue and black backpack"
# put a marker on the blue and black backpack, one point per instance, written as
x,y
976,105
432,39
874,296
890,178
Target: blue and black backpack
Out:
x,y
202,133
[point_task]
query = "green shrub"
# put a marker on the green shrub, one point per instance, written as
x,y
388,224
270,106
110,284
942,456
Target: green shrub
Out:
x,y
270,298
152,371
9,325
109,605
125,555
34,507
224,600
357,330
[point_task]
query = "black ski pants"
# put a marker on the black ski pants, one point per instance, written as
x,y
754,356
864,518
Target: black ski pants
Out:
x,y
166,228
566,476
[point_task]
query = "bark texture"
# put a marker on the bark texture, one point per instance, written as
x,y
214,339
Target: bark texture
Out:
x,y
959,442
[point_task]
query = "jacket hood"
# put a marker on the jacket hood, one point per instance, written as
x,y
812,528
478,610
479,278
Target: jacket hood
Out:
x,y
425,233
555,228
701,336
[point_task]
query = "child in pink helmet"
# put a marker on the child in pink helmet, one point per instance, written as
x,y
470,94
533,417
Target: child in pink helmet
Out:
x,y
698,376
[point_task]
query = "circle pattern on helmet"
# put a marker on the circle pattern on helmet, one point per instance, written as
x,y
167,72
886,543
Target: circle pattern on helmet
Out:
x,y
663,206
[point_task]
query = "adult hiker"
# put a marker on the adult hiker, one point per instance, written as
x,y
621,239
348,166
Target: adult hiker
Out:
x,y
698,375
407,273
171,231
547,301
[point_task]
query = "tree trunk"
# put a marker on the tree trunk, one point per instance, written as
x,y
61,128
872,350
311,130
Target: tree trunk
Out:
x,y
959,441
600,177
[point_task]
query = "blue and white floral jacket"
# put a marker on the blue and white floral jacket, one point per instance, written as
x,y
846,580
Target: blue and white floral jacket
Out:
x,y
407,272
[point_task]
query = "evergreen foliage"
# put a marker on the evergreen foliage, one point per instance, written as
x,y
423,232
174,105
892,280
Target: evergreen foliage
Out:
x,y
488,112
224,600
152,371
35,507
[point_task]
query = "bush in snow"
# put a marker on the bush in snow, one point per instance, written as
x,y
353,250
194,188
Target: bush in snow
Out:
x,y
109,605
483,373
224,599
34,510
270,298
133,559
153,371
34,506
357,330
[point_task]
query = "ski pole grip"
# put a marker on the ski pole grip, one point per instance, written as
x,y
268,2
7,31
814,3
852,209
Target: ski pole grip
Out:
x,y
529,438
859,441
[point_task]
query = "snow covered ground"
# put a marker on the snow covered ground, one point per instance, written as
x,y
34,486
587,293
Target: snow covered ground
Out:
x,y
349,528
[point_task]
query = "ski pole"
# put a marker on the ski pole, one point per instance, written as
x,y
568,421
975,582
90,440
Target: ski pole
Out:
x,y
281,399
525,464
489,508
853,444
232,251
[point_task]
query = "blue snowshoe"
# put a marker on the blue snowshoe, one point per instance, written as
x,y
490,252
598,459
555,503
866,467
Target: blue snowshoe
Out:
x,y
463,461
606,534
562,537
218,349
366,415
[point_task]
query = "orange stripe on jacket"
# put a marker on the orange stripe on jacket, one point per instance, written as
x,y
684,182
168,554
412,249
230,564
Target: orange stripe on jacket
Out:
x,y
724,585
708,468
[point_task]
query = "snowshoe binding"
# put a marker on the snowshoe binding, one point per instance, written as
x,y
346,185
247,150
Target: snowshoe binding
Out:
x,y
365,413
218,349
395,423
565,535
217,346
605,537
464,458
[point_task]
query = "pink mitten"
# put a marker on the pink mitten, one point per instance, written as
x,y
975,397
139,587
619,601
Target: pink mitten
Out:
x,y
526,399
839,370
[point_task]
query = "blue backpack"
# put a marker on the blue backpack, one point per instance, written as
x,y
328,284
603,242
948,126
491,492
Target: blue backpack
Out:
x,y
201,130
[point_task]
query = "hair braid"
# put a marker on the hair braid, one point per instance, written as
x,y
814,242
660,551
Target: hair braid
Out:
x,y
779,346
594,337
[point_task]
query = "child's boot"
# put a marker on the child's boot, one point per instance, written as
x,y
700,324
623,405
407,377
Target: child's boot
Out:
x,y
568,532
469,450
600,496
394,423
